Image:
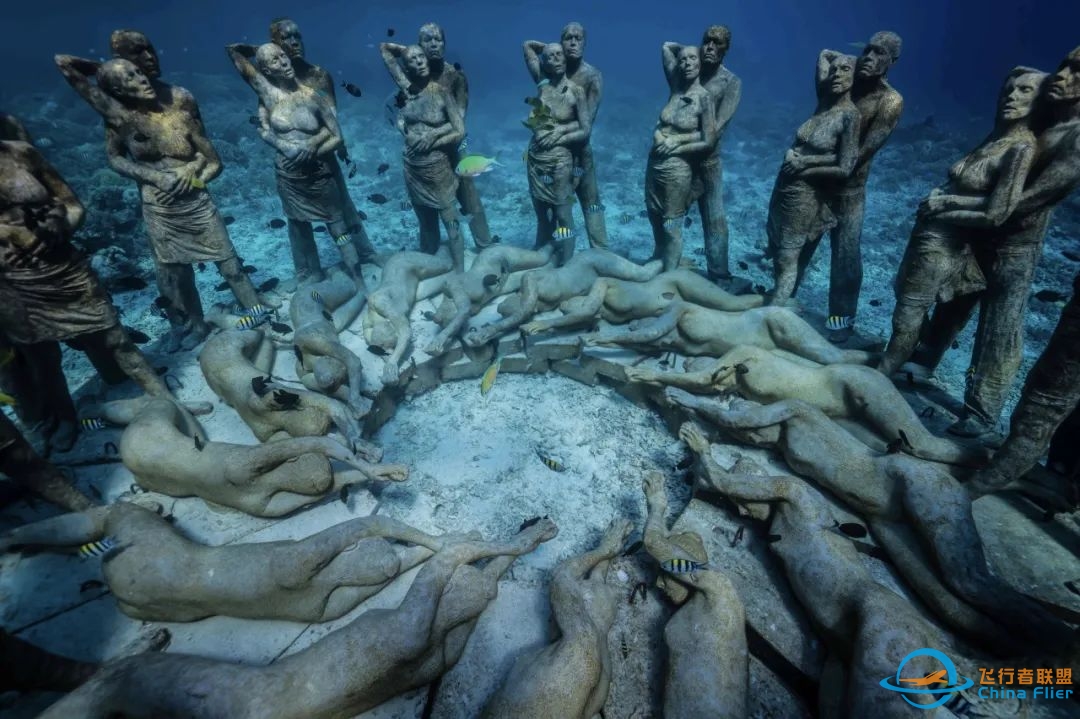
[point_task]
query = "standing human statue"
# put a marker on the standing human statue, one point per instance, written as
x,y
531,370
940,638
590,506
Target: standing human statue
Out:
x,y
154,135
725,89
824,153
561,121
682,141
433,127
432,40
285,33
300,123
879,107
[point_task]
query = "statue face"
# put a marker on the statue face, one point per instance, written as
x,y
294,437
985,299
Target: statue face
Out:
x,y
553,61
416,64
287,36
274,63
138,50
573,41
689,63
1018,96
1065,83
127,82
432,42
841,75
713,51
875,61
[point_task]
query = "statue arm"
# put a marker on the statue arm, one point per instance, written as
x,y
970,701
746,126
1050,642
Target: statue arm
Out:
x,y
669,55
66,530
532,50
12,130
211,161
707,136
270,137
242,57
78,71
729,102
821,71
996,208
329,138
390,52
595,94
1053,183
60,190
753,417
578,132
460,93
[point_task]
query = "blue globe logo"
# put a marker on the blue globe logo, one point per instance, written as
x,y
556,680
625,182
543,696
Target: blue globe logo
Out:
x,y
946,675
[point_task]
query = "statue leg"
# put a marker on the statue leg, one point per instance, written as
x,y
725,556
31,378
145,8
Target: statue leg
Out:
x,y
428,218
129,358
671,255
26,667
786,260
846,274
469,199
999,337
1051,393
35,377
455,238
23,465
946,322
545,223
170,282
354,225
564,248
588,193
232,271
713,220
790,332
305,253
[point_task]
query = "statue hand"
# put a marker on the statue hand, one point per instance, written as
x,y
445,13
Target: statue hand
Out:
x,y
692,435
640,374
437,347
532,328
389,472
793,163
182,181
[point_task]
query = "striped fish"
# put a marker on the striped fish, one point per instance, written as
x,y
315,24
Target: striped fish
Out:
x,y
256,311
625,218
562,233
248,322
594,208
488,380
342,240
678,565
550,462
91,424
317,297
100,548
839,322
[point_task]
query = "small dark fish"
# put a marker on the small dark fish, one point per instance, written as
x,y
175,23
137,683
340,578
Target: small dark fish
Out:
x,y
270,284
327,316
495,239
738,537
875,303
298,354
91,584
198,443
390,32
221,286
160,370
139,338
351,89
277,223
770,538
1071,586
405,206
319,229
678,565
280,327
259,386
1050,296
378,198
457,66
528,523
376,350
382,168
250,269
128,284
927,413
852,529
1070,255
201,266
633,548
688,221
625,218
253,120
894,446
741,368
362,215
343,495
686,100
904,439
228,219
956,344
286,400
759,289
685,463
743,266
353,170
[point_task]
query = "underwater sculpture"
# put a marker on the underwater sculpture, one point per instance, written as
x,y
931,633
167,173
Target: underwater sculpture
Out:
x,y
433,127
168,452
894,493
319,312
301,125
48,293
1010,254
386,318
725,89
684,139
839,390
620,301
952,241
708,672
27,468
315,579
859,620
495,271
432,40
825,151
386,652
570,678
693,330
154,135
237,365
561,122
1051,392
285,33
545,289
879,106
586,76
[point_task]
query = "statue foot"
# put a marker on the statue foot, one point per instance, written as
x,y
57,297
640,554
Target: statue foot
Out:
x,y
972,427
199,331
62,439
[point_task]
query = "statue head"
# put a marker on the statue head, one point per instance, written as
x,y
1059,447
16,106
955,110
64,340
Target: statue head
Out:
x,y
689,63
715,44
553,60
133,46
573,41
1020,93
274,63
879,55
285,33
841,75
433,40
415,62
122,80
1065,83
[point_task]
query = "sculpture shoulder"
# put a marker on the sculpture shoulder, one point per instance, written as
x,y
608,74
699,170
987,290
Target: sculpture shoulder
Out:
x,y
587,75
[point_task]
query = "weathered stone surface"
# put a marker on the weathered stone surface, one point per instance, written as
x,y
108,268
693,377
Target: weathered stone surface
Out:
x,y
465,369
608,362
575,371
553,348
523,364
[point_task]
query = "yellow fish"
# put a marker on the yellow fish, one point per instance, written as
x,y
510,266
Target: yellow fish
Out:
x,y
562,233
91,424
551,463
488,380
247,322
97,549
473,165
198,184
7,399
678,565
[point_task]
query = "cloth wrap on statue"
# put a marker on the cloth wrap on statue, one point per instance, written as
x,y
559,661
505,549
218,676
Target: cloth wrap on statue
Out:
x,y
185,229
551,175
798,213
311,192
939,262
671,185
430,180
